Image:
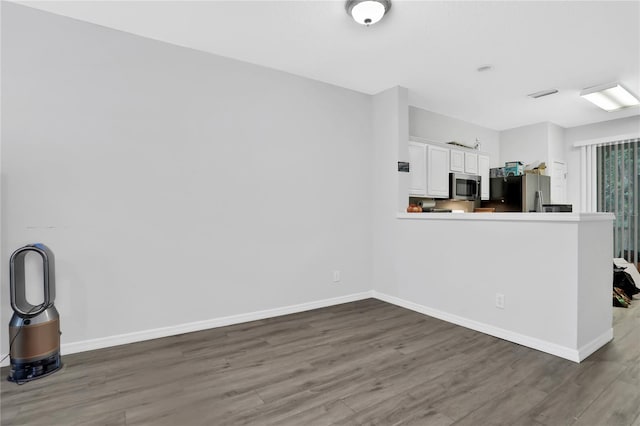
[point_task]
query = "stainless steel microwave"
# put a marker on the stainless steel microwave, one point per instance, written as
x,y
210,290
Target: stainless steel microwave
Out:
x,y
464,187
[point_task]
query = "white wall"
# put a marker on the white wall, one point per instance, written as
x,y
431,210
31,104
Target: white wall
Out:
x,y
595,311
176,186
391,188
441,128
526,143
3,269
603,130
606,131
556,148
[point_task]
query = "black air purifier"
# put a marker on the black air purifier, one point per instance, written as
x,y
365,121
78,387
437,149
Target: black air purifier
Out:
x,y
34,330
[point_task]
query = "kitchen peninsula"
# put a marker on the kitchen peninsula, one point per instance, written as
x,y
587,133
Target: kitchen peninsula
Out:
x,y
542,280
550,273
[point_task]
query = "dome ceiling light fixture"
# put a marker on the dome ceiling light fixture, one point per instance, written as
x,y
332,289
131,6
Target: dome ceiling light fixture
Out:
x,y
367,12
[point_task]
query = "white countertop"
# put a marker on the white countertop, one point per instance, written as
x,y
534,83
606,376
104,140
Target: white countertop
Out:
x,y
512,217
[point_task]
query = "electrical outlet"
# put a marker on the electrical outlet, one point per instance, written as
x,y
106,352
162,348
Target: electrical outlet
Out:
x,y
336,276
499,301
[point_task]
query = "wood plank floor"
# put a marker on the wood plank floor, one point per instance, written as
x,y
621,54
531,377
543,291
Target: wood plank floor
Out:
x,y
366,362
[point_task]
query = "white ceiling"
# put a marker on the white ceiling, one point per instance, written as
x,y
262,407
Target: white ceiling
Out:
x,y
431,47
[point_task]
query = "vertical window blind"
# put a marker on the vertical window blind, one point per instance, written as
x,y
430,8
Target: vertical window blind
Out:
x,y
615,188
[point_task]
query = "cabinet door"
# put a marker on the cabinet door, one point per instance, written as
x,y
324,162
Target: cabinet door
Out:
x,y
457,161
483,171
471,163
437,172
417,169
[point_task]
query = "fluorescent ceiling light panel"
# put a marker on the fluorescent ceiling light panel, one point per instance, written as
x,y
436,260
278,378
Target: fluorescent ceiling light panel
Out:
x,y
610,97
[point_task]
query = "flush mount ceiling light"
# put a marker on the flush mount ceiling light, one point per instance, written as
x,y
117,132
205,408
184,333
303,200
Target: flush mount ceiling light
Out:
x,y
609,97
367,12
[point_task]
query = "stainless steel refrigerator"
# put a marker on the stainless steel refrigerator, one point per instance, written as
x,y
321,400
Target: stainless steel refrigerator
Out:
x,y
518,193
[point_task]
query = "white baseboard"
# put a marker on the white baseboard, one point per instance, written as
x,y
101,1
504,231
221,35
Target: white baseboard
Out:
x,y
595,344
139,336
575,355
521,339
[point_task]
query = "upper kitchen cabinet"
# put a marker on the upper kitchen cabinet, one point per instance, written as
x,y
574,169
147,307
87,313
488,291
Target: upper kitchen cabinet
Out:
x,y
471,163
417,169
430,164
428,170
456,161
437,172
483,171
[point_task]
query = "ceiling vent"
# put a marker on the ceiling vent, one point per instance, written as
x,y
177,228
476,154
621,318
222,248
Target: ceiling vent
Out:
x,y
543,93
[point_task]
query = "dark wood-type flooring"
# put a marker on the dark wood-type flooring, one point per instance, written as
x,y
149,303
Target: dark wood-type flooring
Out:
x,y
366,362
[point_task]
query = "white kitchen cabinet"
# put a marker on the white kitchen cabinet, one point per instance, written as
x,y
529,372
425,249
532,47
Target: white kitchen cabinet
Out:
x,y
471,163
437,172
417,169
483,171
457,161
430,164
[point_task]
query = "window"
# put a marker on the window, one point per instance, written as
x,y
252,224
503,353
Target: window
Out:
x,y
618,192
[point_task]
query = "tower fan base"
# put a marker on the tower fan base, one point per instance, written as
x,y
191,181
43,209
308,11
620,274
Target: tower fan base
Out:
x,y
25,371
